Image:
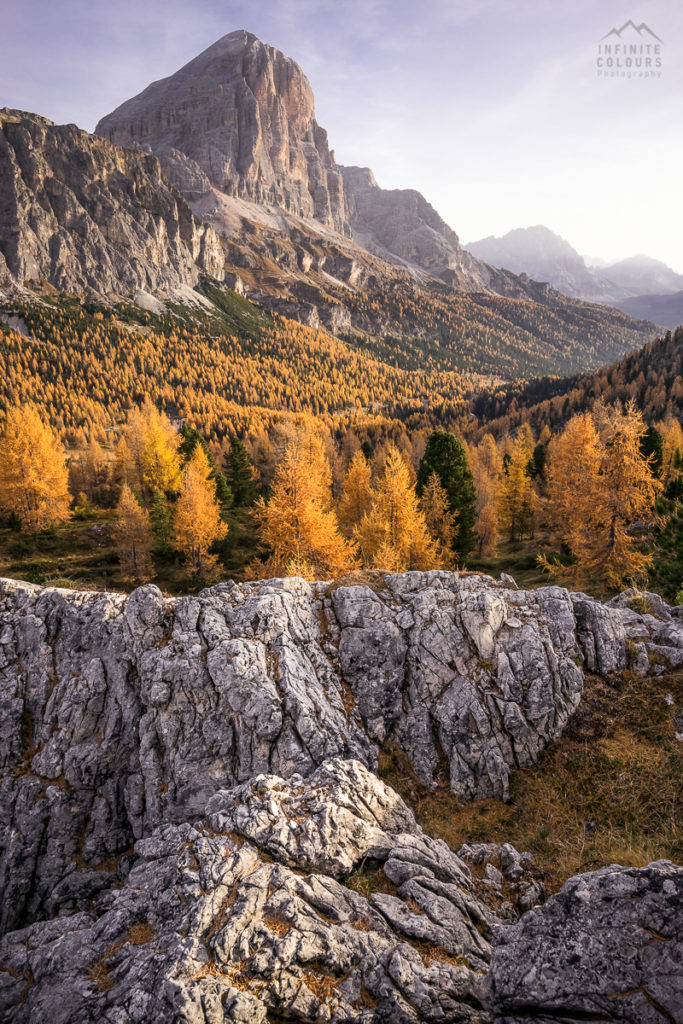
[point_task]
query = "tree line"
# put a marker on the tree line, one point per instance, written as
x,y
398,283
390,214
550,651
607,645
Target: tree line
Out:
x,y
606,488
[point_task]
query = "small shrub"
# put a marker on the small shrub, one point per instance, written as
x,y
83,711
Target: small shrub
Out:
x,y
641,604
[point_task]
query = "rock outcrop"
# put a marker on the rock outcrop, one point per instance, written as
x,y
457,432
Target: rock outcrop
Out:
x,y
191,830
244,114
401,224
607,947
120,715
207,927
84,214
255,913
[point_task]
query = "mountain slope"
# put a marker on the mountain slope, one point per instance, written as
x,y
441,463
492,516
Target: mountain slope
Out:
x,y
661,309
652,377
86,215
642,275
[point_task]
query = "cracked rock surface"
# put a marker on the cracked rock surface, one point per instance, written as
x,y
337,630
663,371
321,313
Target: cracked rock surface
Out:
x,y
251,915
206,927
192,831
607,947
121,714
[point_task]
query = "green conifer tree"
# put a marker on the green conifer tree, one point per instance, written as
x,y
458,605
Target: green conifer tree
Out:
x,y
445,455
239,471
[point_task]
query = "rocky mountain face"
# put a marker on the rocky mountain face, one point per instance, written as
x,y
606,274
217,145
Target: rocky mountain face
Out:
x,y
238,122
187,790
86,215
243,113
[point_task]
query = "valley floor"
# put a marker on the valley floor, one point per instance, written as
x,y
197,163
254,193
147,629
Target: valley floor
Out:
x,y
81,554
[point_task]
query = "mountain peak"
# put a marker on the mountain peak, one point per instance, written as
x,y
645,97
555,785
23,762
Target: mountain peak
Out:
x,y
244,113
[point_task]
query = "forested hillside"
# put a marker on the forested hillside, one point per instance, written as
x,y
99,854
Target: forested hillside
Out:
x,y
652,377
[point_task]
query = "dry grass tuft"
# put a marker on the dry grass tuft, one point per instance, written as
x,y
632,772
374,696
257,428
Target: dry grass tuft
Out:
x,y
140,934
321,985
365,881
609,791
277,925
372,578
432,953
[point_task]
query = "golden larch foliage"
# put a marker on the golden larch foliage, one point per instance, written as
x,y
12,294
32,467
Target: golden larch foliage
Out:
x,y
297,524
134,538
393,536
149,451
672,449
486,528
572,478
599,487
356,499
438,517
626,496
197,522
33,470
516,496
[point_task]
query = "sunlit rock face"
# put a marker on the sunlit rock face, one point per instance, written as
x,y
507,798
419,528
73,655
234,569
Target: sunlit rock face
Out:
x,y
244,114
85,215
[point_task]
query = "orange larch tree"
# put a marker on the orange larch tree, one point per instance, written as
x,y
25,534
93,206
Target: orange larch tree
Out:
x,y
393,535
197,521
33,471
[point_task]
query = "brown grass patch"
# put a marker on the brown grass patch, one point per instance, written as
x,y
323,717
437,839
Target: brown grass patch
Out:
x,y
609,791
374,579
366,880
140,934
277,925
322,986
432,953
100,972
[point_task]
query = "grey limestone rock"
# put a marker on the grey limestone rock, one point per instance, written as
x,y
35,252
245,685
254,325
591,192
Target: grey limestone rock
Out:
x,y
607,947
207,928
86,215
243,113
120,714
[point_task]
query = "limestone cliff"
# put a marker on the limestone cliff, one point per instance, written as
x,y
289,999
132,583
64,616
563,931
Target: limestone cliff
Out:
x,y
86,215
239,120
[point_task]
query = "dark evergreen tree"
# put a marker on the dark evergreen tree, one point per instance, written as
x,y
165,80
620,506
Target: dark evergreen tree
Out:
x,y
536,467
239,470
666,574
367,451
190,439
651,445
445,455
160,520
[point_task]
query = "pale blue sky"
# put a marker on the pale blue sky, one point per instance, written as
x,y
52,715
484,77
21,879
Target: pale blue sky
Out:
x,y
492,109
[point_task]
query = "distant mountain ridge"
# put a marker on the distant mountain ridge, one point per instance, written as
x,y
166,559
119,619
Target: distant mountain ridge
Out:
x,y
546,256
